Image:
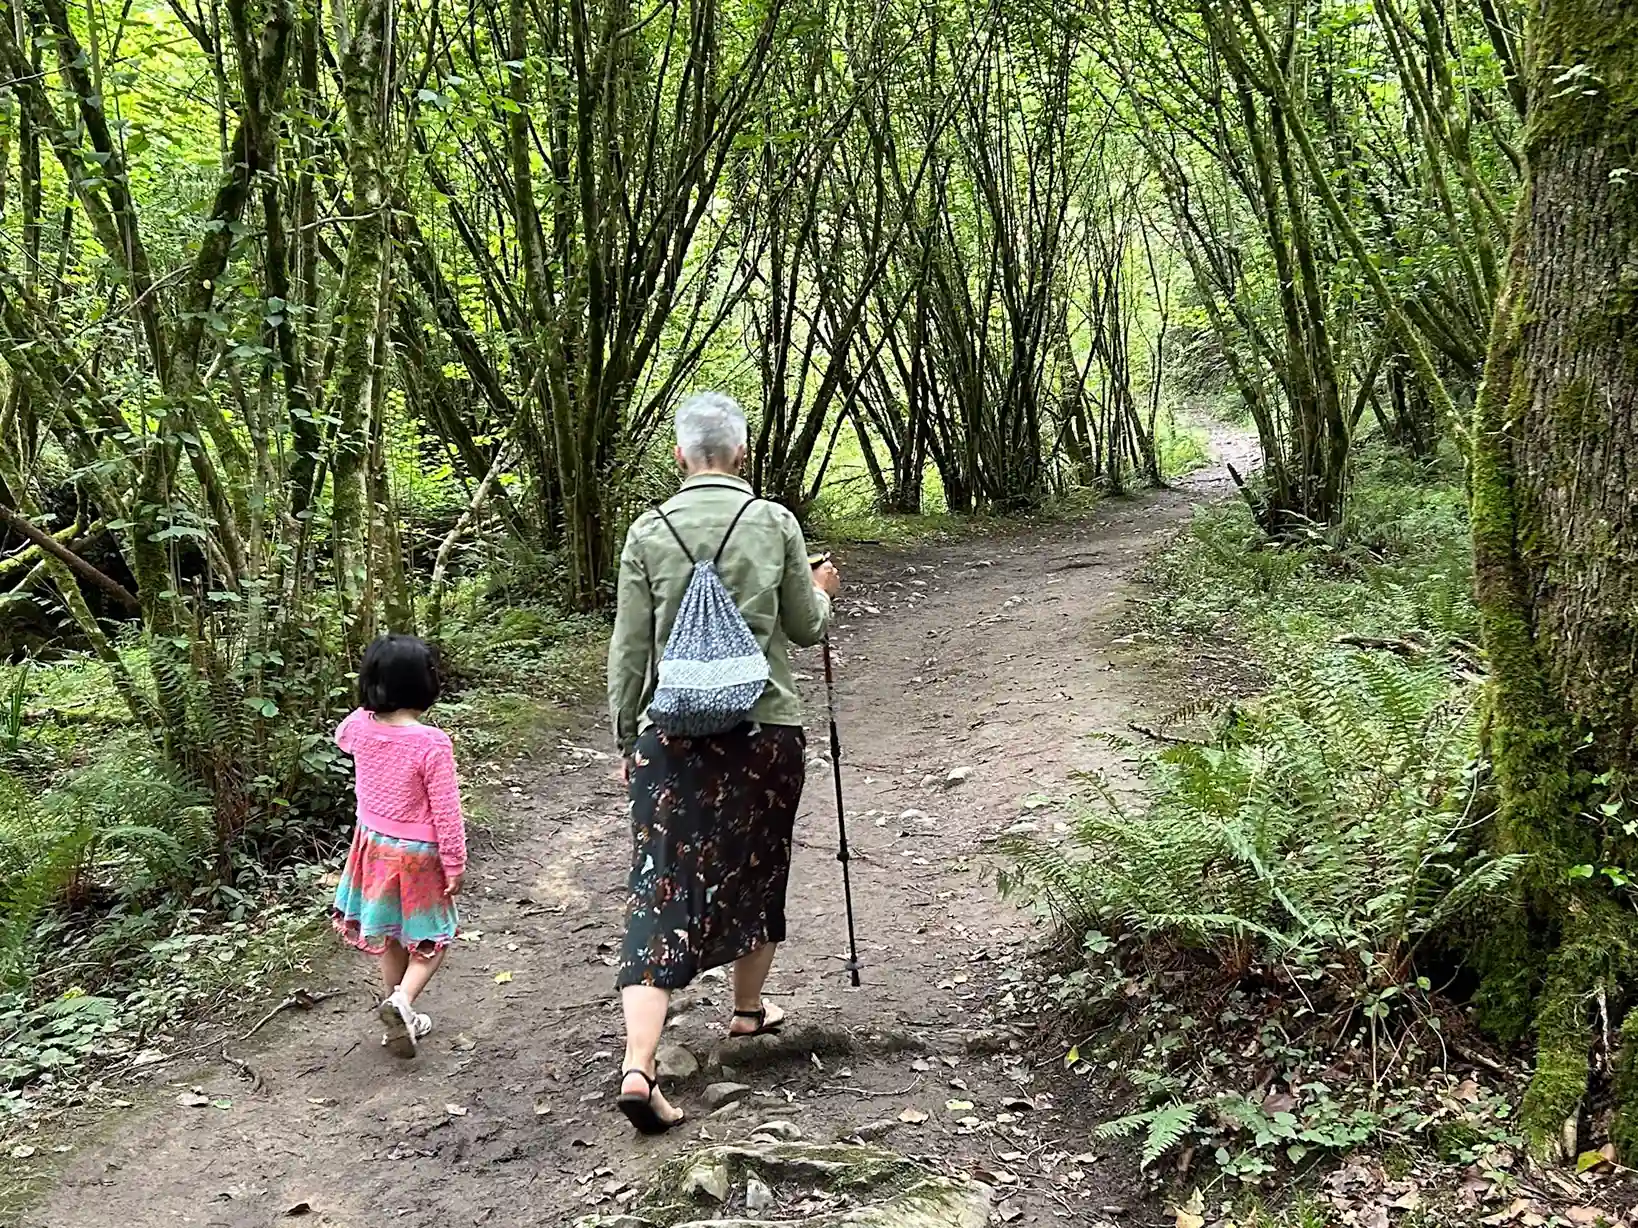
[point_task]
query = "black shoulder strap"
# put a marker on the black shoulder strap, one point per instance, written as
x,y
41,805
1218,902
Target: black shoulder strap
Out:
x,y
732,525
666,520
659,511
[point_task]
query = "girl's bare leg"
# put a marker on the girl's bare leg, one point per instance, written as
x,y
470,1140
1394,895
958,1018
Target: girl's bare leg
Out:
x,y
394,963
419,972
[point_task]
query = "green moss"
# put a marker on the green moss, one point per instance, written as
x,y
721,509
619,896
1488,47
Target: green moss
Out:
x,y
1624,1129
1455,1140
1560,1081
1597,41
1595,958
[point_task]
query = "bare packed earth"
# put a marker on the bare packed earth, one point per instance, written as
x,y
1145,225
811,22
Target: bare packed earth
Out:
x,y
972,677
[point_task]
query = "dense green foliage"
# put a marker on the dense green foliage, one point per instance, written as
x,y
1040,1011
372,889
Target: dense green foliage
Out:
x,y
317,321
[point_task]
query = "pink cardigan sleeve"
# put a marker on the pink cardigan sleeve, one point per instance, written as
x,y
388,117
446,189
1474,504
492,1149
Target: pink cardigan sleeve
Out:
x,y
345,731
444,796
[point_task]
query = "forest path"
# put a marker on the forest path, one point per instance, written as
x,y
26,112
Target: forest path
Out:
x,y
992,655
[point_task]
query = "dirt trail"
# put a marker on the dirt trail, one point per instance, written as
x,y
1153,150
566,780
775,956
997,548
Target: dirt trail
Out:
x,y
992,656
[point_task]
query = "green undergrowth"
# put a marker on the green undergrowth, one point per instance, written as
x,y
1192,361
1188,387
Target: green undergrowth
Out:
x,y
129,907
1269,942
1400,565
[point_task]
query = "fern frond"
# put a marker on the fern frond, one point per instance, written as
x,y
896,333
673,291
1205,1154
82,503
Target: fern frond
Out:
x,y
1166,1130
1123,1127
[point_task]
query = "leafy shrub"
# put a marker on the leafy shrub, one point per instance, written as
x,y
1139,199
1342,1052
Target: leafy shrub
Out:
x,y
1399,565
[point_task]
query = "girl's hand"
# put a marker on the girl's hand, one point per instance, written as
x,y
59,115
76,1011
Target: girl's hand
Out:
x,y
452,886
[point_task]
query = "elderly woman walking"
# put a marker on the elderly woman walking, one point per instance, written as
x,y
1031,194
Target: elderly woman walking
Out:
x,y
711,816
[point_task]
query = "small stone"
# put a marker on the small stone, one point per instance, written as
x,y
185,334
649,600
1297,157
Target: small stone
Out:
x,y
873,1130
675,1062
719,1094
733,1109
957,776
778,1128
758,1197
709,1179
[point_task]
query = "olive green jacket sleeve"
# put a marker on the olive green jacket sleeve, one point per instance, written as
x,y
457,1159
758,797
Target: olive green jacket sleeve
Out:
x,y
764,566
629,654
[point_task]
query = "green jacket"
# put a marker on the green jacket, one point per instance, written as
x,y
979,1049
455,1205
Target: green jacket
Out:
x,y
765,568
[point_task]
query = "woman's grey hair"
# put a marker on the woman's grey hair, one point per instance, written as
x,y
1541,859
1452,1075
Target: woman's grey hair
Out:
x,y
710,429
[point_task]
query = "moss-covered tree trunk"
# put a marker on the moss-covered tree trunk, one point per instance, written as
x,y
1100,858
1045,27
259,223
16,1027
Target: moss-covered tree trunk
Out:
x,y
1555,525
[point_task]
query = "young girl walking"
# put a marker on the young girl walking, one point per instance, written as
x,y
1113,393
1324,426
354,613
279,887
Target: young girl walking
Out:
x,y
397,894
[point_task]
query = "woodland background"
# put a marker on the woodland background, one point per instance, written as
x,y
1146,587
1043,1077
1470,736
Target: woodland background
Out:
x,y
317,322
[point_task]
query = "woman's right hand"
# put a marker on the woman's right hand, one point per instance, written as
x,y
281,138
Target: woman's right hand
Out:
x,y
827,579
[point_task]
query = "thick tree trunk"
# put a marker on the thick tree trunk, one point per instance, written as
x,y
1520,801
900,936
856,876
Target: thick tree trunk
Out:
x,y
1555,530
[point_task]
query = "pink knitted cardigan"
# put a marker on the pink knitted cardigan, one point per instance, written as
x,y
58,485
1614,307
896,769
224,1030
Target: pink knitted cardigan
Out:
x,y
406,784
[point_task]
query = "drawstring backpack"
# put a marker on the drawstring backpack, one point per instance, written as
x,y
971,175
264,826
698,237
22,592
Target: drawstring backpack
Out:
x,y
713,670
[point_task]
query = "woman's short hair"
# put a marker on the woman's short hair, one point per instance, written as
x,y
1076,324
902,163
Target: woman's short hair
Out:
x,y
710,428
400,672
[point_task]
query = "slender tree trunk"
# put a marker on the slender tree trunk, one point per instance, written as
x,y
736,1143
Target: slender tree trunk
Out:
x,y
1555,445
357,311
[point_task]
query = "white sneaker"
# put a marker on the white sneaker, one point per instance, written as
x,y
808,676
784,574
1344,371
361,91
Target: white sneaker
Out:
x,y
423,1026
399,1021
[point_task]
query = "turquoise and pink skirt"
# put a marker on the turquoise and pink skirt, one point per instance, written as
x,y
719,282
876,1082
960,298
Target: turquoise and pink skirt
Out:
x,y
393,889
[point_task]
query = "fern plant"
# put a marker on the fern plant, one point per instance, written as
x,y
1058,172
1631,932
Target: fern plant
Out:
x,y
1334,816
127,819
1163,1128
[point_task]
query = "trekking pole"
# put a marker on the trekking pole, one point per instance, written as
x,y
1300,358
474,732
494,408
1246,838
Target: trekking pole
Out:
x,y
841,817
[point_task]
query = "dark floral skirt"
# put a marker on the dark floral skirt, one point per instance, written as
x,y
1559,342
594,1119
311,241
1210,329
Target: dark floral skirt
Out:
x,y
711,822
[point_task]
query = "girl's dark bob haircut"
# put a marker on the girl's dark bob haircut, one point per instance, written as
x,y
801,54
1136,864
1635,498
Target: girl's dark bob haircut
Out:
x,y
400,672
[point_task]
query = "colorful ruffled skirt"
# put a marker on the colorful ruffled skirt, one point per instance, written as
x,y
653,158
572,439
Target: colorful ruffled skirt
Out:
x,y
393,889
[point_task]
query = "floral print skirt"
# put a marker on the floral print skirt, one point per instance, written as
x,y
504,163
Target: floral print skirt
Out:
x,y
711,822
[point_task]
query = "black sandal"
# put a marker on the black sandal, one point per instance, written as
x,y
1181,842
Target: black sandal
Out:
x,y
640,1111
763,1027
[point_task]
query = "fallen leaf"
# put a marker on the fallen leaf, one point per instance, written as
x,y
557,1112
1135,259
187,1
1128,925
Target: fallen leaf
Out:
x,y
1073,1056
542,1109
1589,1215
502,978
914,1116
1192,1213
22,1151
958,1106
193,1100
455,1110
463,1043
